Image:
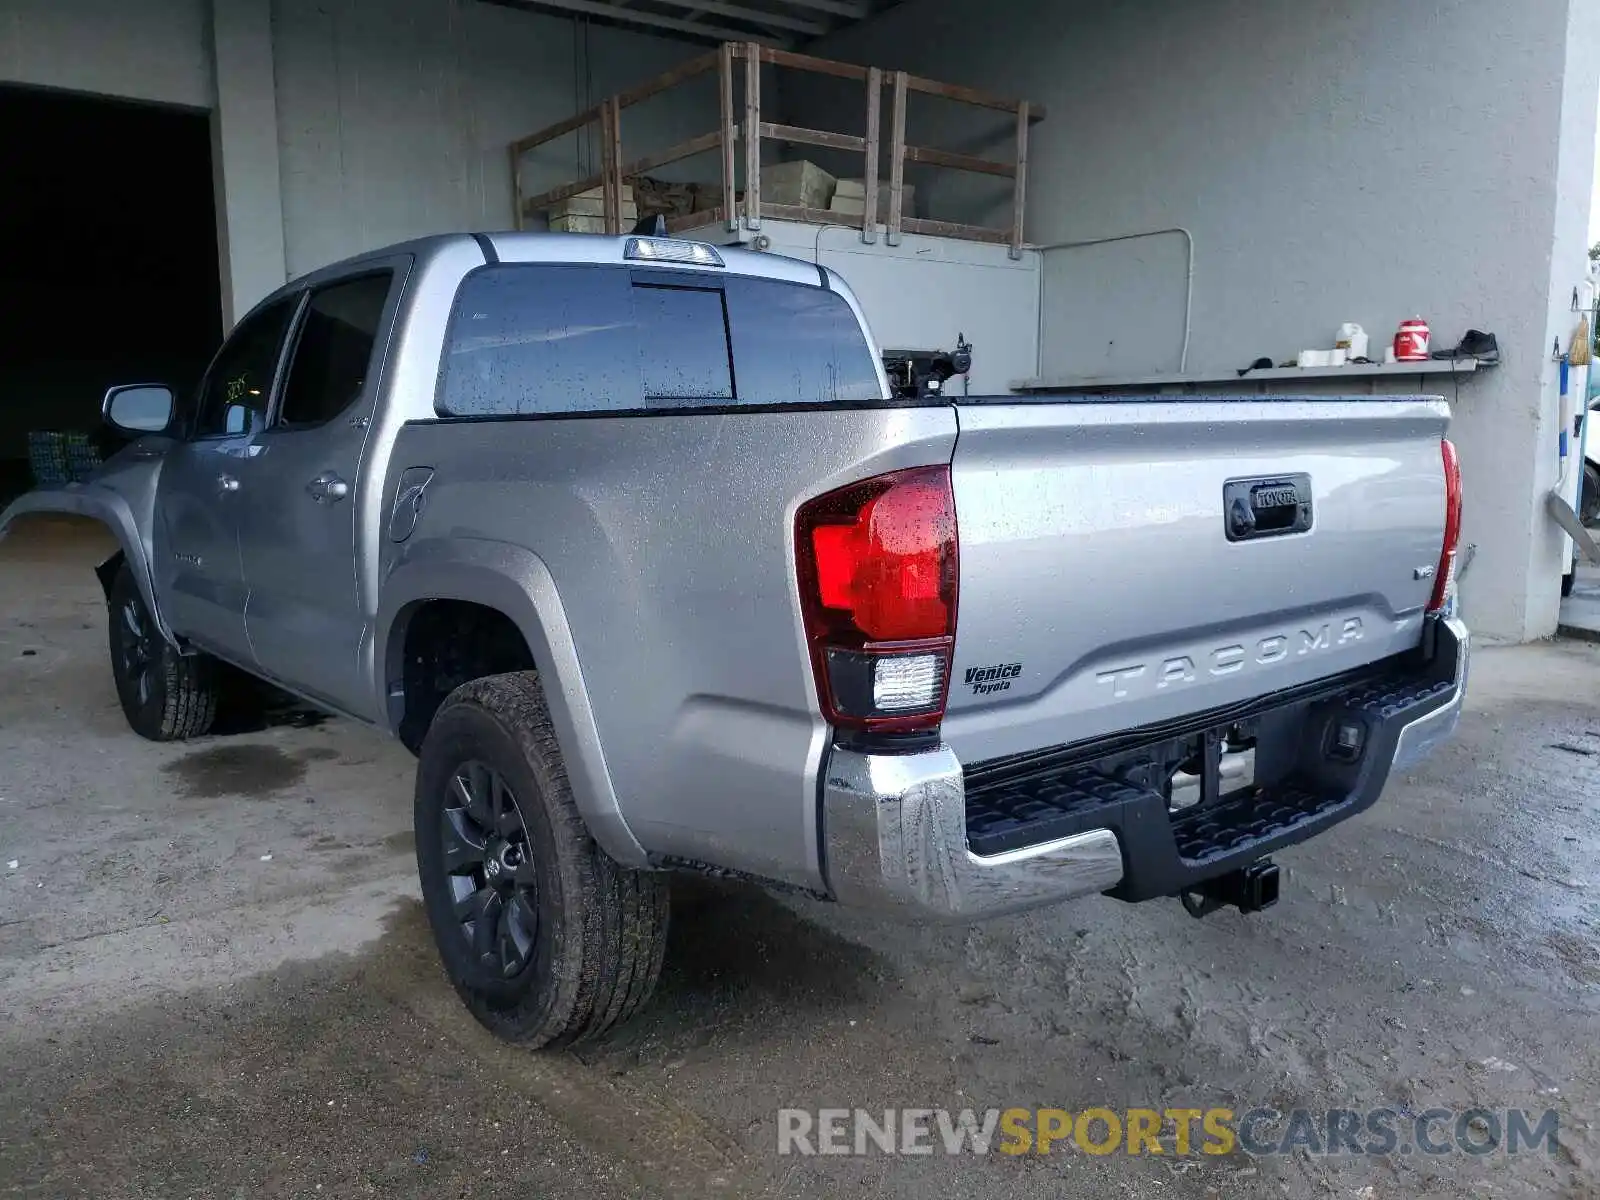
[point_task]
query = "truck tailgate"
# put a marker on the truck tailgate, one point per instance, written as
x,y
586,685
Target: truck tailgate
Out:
x,y
1100,587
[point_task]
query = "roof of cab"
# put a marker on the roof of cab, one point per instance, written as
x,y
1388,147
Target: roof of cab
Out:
x,y
589,248
577,248
564,248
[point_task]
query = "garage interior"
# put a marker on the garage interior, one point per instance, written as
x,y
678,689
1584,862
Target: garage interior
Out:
x,y
1214,181
110,273
1278,178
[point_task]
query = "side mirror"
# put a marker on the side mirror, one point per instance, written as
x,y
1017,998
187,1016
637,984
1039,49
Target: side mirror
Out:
x,y
138,408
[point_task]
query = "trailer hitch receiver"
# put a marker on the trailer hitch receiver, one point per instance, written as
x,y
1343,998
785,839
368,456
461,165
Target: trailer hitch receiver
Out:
x,y
1249,889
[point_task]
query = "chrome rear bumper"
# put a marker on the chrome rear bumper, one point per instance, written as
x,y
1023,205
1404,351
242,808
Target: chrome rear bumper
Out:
x,y
1422,737
895,825
897,837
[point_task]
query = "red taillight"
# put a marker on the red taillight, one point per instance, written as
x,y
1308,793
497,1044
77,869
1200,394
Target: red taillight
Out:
x,y
1445,577
878,574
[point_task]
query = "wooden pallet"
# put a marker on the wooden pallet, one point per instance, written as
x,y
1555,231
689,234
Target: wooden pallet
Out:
x,y
751,130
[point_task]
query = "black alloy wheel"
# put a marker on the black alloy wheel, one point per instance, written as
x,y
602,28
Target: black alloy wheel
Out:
x,y
166,695
546,938
138,653
490,869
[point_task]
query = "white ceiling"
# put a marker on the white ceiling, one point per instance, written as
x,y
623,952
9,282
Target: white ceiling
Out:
x,y
777,22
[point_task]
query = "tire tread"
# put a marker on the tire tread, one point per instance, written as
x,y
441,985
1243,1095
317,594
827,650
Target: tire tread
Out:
x,y
190,687
619,915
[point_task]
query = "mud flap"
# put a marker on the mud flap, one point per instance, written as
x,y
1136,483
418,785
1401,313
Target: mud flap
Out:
x,y
106,572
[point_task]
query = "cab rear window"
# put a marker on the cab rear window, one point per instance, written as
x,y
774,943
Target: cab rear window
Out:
x,y
552,340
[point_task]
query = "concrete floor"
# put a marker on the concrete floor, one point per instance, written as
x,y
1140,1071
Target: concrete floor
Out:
x,y
183,1015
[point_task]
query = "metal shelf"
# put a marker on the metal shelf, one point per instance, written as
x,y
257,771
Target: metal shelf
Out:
x,y
1055,383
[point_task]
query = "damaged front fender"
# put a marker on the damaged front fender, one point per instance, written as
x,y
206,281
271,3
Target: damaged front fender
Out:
x,y
121,496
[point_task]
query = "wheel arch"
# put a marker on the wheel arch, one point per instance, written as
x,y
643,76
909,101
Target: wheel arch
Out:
x,y
514,583
112,511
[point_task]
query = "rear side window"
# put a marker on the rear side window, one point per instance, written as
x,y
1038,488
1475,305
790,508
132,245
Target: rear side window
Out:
x,y
572,339
334,353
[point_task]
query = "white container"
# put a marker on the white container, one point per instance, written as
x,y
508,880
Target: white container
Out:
x,y
1317,359
1353,340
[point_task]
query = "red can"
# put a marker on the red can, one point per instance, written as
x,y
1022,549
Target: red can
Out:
x,y
1414,341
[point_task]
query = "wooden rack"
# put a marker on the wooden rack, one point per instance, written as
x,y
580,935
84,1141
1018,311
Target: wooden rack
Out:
x,y
614,171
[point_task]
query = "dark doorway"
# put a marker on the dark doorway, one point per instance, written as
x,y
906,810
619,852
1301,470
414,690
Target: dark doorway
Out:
x,y
108,260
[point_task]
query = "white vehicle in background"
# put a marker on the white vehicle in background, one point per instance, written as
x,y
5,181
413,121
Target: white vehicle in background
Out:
x,y
1589,493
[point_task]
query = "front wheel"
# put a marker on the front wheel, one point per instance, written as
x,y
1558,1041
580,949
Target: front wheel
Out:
x,y
546,938
1589,497
166,696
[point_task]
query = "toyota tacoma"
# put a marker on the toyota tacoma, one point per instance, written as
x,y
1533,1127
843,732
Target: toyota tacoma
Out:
x,y
631,541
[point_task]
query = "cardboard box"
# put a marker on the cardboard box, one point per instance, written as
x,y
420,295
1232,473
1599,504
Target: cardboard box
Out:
x,y
803,183
850,199
591,204
585,223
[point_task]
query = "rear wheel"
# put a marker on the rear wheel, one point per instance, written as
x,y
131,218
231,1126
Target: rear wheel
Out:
x,y
547,939
166,696
1589,498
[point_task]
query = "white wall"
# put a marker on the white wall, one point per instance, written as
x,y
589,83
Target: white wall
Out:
x,y
139,49
1364,161
244,155
927,292
394,115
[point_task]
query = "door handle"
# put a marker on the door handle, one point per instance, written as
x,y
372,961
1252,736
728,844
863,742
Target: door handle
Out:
x,y
227,483
327,487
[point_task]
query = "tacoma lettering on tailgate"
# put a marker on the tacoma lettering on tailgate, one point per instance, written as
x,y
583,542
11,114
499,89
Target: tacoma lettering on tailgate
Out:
x,y
1231,658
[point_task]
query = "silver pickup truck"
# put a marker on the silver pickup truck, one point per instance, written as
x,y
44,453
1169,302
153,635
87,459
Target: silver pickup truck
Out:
x,y
629,540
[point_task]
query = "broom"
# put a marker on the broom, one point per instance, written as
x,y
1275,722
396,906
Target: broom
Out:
x,y
1578,355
